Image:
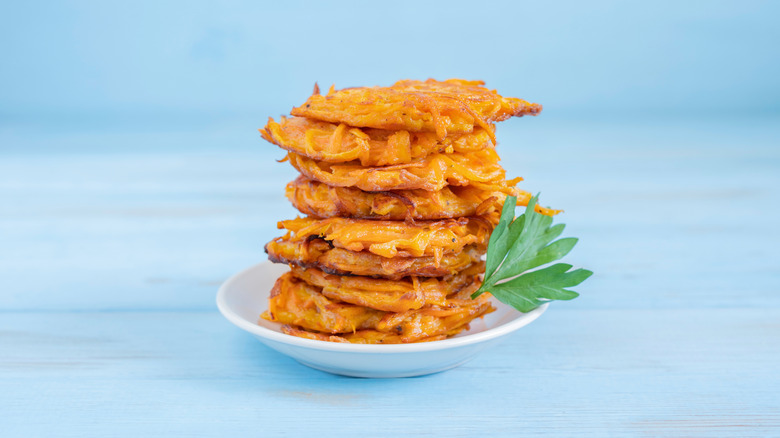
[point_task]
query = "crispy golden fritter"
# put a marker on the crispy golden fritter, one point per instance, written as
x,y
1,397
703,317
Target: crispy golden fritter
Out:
x,y
339,143
297,303
318,253
444,107
293,301
410,293
394,238
364,336
431,173
318,199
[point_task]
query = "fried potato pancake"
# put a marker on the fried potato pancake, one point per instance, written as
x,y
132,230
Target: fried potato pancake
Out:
x,y
364,336
339,143
444,107
297,303
431,173
317,253
293,301
410,293
393,238
317,199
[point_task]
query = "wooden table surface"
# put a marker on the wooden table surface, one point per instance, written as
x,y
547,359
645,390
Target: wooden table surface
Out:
x,y
115,238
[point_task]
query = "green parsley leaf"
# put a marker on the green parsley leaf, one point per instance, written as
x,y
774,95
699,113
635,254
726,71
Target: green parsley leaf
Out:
x,y
516,248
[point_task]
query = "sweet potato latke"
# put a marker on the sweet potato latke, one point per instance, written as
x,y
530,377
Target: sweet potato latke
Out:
x,y
433,172
445,107
402,187
410,293
340,143
320,254
296,302
321,200
393,238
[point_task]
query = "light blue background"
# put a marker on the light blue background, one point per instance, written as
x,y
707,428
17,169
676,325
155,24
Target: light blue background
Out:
x,y
149,61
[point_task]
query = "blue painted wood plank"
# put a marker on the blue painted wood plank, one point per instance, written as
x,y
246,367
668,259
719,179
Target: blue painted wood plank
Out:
x,y
709,372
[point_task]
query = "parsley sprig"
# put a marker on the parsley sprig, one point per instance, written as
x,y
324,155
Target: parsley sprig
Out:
x,y
516,248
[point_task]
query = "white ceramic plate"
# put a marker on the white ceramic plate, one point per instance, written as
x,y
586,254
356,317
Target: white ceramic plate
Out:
x,y
244,297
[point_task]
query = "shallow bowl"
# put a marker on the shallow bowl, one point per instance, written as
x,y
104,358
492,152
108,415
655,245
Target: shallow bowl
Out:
x,y
243,297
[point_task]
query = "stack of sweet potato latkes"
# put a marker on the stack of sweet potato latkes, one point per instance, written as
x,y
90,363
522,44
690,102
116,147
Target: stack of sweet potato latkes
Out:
x,y
401,187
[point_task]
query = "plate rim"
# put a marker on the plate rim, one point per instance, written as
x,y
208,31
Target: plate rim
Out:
x,y
295,341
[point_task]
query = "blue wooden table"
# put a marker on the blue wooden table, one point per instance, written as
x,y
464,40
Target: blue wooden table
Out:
x,y
113,242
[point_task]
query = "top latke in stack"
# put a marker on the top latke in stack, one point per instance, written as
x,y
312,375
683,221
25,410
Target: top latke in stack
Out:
x,y
401,186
